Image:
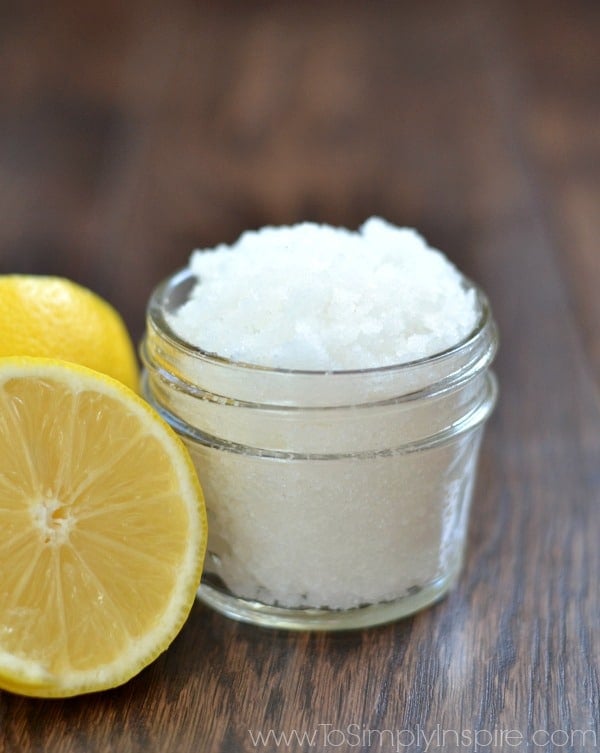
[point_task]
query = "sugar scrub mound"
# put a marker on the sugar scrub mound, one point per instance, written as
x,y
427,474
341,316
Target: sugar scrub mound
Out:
x,y
315,297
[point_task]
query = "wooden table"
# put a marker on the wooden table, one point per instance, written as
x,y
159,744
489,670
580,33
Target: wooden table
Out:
x,y
132,132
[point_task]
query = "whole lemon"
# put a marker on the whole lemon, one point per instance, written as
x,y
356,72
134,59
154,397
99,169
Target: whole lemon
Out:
x,y
53,317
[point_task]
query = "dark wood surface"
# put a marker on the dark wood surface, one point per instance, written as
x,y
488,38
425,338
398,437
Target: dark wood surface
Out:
x,y
132,132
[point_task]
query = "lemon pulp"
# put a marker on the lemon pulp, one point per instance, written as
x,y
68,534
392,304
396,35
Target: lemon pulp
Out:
x,y
102,530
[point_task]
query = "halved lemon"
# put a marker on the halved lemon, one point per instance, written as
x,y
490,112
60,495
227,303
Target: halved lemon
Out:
x,y
102,530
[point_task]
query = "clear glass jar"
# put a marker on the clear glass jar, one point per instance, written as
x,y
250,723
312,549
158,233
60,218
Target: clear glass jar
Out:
x,y
335,499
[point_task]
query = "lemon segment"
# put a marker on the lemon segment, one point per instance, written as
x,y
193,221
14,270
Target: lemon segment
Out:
x,y
102,530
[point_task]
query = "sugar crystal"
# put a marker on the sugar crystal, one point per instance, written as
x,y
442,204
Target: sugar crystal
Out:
x,y
315,297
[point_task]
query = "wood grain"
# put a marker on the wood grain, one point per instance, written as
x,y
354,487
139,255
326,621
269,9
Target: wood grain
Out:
x,y
132,132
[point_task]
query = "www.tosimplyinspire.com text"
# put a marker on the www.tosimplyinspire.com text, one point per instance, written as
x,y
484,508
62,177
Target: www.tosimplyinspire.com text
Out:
x,y
329,737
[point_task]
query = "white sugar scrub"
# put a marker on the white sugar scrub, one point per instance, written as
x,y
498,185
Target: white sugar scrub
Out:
x,y
322,298
332,388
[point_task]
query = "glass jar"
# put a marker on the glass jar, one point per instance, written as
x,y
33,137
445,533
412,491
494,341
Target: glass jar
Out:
x,y
335,499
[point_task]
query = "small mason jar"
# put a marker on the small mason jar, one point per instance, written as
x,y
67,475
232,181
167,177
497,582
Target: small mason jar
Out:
x,y
336,499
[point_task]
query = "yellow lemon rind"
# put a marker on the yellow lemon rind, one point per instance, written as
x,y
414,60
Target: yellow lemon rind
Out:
x,y
55,317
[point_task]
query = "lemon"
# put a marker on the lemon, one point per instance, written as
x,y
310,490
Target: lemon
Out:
x,y
102,530
55,318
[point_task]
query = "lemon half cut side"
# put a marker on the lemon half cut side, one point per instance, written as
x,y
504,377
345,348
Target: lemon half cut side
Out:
x,y
102,530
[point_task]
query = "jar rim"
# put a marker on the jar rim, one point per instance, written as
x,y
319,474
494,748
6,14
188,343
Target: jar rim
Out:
x,y
159,299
